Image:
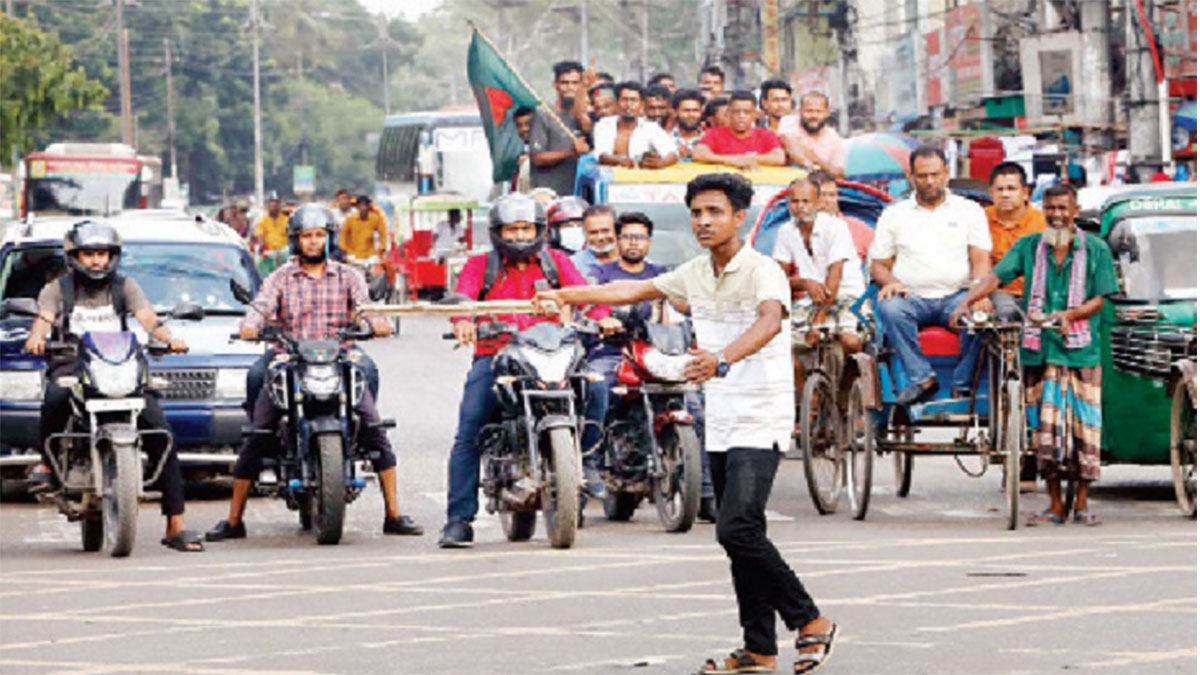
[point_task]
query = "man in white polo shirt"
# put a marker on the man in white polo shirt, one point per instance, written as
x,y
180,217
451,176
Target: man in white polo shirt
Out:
x,y
927,250
738,300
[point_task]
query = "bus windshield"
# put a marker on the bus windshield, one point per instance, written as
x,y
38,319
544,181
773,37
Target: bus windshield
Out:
x,y
82,186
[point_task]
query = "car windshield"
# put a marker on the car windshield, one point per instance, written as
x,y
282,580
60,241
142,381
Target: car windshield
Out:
x,y
673,242
168,273
1156,256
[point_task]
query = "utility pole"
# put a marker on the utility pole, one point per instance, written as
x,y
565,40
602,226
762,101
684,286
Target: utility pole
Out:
x,y
170,109
584,37
384,43
644,72
255,26
123,65
8,7
1145,141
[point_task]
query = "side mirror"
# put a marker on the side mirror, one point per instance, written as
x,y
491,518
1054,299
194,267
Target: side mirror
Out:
x,y
240,292
189,311
19,307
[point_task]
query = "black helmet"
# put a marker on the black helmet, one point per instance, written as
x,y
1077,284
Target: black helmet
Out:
x,y
514,208
307,217
89,235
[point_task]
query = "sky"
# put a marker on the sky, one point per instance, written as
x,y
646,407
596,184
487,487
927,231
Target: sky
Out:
x,y
409,9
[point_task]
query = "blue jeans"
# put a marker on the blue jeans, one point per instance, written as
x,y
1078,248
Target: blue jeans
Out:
x,y
903,318
477,408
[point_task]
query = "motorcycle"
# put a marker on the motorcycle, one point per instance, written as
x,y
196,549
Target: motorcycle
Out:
x,y
97,460
651,447
531,455
316,384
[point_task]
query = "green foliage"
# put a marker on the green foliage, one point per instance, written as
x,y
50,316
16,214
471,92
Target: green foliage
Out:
x,y
39,83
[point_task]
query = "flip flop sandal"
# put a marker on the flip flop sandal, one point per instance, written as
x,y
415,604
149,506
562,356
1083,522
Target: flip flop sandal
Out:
x,y
738,661
809,662
1086,518
186,541
1046,517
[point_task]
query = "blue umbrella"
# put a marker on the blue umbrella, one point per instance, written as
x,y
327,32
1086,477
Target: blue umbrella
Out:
x,y
1185,115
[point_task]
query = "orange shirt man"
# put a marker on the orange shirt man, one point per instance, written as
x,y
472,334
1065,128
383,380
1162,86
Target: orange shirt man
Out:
x,y
1010,217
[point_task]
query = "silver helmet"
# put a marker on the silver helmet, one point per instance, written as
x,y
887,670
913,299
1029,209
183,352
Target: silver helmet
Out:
x,y
90,235
515,208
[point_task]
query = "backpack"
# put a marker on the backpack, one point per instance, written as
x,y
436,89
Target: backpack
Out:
x,y
116,289
495,267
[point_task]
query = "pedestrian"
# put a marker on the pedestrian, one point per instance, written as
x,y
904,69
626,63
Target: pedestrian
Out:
x,y
271,231
689,112
739,299
741,145
555,152
665,80
1068,274
716,112
711,82
775,97
809,138
658,107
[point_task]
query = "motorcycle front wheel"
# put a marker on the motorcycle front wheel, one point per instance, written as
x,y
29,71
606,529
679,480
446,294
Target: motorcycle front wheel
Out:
x,y
331,494
677,493
518,525
560,494
122,477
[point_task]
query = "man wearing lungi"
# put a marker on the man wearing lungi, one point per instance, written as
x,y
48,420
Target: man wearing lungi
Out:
x,y
1068,273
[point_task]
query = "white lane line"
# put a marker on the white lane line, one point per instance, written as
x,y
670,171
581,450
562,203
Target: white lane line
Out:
x,y
1071,613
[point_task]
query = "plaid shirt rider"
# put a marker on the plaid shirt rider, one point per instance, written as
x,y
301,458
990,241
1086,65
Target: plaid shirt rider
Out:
x,y
307,307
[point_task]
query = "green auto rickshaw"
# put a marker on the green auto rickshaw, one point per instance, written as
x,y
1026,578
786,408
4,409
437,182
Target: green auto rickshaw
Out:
x,y
1149,332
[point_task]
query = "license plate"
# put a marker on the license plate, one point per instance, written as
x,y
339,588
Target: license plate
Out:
x,y
115,404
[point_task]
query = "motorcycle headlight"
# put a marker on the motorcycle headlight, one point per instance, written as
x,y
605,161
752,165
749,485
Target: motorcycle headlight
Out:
x,y
231,383
549,366
21,385
278,387
665,366
321,380
113,380
358,384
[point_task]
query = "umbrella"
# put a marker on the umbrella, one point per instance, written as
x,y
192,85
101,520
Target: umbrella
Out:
x,y
1185,115
880,156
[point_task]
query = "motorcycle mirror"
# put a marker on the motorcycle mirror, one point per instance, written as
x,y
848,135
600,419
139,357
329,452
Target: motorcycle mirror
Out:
x,y
189,311
19,307
240,292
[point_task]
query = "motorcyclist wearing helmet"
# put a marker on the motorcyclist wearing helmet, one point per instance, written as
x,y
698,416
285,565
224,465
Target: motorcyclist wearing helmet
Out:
x,y
91,296
311,297
518,261
565,218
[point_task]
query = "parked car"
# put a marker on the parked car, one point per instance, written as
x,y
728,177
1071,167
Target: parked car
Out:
x,y
176,258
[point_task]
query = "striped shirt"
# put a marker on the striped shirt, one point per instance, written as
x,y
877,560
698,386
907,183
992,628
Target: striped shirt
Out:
x,y
307,307
752,406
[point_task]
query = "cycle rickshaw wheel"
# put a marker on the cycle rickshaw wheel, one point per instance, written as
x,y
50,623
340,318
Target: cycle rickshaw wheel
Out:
x,y
860,449
1183,449
824,462
902,462
1014,449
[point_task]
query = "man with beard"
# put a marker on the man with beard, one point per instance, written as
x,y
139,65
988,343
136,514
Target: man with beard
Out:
x,y
1068,273
1010,217
658,107
711,82
689,110
599,231
810,140
775,97
927,250
523,118
741,144
555,153
271,231
629,140
311,298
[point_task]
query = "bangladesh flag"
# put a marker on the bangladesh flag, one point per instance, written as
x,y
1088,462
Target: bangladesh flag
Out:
x,y
499,91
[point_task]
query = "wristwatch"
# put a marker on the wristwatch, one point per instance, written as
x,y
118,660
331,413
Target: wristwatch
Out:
x,y
722,365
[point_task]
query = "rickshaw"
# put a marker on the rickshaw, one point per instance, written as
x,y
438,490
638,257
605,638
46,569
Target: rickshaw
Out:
x,y
1149,333
416,268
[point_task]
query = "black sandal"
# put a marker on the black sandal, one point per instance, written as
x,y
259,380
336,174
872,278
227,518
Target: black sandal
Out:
x,y
809,662
185,541
739,661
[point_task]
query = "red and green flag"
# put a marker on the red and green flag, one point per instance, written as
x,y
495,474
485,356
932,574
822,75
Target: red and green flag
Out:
x,y
499,92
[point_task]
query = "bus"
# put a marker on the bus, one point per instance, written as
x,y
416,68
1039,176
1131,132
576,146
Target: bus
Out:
x,y
443,151
78,179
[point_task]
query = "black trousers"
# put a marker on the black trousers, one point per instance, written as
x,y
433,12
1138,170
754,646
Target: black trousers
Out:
x,y
267,416
56,412
764,584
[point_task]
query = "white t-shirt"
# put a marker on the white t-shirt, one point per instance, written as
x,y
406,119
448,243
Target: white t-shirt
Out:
x,y
752,406
831,243
930,245
646,136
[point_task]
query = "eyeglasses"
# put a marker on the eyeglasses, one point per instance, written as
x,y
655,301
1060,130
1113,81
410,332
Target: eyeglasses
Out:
x,y
634,237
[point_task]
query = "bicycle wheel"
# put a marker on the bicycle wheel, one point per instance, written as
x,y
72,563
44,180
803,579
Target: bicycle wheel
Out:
x,y
824,468
860,450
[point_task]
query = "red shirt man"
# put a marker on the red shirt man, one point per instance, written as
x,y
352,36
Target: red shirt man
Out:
x,y
741,144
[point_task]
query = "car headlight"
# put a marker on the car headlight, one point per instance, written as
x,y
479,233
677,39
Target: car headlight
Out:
x,y
231,383
113,380
321,380
21,385
665,366
549,366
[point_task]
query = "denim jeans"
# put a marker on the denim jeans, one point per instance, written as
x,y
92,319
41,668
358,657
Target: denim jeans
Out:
x,y
695,406
904,317
763,582
477,408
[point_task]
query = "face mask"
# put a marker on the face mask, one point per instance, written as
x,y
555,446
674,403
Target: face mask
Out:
x,y
1058,236
572,238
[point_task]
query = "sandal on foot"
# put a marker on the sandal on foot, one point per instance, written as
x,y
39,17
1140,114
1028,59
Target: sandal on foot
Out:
x,y
739,661
1046,517
1086,518
808,662
185,541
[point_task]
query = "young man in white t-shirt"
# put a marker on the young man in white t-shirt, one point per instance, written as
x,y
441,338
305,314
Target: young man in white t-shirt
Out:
x,y
927,250
738,299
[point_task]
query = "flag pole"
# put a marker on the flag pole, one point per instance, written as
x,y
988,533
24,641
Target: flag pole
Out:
x,y
553,115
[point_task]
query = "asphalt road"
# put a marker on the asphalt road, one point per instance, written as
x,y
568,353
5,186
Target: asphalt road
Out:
x,y
927,584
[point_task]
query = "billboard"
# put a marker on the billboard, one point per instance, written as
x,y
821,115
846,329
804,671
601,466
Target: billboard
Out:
x,y
968,50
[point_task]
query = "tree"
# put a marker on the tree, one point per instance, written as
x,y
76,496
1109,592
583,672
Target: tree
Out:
x,y
39,84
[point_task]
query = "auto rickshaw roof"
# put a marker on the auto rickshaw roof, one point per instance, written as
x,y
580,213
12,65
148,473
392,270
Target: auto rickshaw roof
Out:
x,y
686,171
1161,199
436,202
